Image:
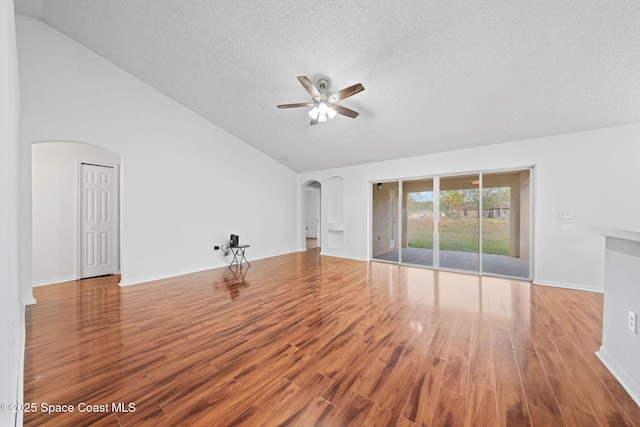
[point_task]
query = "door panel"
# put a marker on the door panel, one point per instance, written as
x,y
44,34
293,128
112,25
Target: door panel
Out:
x,y
384,223
90,250
459,222
98,221
418,222
505,223
105,249
90,224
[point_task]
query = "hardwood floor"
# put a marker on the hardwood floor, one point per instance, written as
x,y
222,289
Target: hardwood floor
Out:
x,y
305,340
312,243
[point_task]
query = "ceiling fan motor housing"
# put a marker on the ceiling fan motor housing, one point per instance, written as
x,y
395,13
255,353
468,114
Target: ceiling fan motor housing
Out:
x,y
322,88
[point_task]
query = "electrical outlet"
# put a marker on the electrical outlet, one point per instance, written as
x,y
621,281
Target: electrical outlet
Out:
x,y
564,215
216,248
632,322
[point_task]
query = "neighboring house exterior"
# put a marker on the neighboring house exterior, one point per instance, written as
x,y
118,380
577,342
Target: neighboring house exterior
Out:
x,y
422,213
501,210
471,211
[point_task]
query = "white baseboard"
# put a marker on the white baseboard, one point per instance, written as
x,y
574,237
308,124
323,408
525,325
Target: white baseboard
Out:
x,y
20,385
54,281
569,286
626,381
147,279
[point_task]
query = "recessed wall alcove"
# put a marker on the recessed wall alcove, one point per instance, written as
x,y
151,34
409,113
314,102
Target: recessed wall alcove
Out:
x,y
335,222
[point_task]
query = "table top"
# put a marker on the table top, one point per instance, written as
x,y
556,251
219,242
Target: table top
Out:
x,y
239,246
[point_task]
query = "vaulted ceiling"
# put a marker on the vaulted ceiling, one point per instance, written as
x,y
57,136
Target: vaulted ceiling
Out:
x,y
439,75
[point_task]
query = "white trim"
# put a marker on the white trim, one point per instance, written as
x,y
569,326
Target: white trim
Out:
x,y
55,281
175,274
533,203
568,286
436,223
353,258
481,219
625,380
20,384
155,278
29,301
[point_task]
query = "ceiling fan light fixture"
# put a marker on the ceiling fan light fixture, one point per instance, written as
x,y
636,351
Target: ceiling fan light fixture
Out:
x,y
325,111
323,107
322,112
331,112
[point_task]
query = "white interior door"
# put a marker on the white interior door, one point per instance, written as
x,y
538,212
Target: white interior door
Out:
x,y
98,221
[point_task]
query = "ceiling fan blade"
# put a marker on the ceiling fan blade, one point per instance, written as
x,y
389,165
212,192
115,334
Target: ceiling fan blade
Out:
x,y
300,104
346,92
345,111
309,86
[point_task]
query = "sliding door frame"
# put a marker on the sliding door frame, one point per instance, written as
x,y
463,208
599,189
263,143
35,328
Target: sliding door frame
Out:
x,y
437,218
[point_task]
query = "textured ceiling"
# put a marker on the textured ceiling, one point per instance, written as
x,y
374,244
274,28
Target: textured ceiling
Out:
x,y
439,74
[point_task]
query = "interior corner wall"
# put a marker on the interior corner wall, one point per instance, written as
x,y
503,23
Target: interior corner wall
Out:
x,y
11,306
186,183
592,175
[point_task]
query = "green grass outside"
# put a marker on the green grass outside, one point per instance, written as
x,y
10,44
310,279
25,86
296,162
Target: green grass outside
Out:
x,y
461,234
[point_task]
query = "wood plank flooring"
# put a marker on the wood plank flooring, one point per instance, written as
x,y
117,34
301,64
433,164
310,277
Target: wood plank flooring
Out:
x,y
308,340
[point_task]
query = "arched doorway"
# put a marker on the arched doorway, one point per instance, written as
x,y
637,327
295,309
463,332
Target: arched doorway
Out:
x,y
311,214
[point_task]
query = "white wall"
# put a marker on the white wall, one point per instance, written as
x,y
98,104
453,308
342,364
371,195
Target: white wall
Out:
x,y
55,173
620,346
11,307
187,184
592,175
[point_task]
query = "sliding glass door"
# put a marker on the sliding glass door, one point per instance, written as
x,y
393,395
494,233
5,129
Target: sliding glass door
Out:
x,y
385,224
418,222
459,223
506,223
478,223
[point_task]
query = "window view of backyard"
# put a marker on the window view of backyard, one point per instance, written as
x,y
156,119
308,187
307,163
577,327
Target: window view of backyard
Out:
x,y
459,222
481,222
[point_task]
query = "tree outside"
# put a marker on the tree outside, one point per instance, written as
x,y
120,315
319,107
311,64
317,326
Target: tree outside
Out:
x,y
459,221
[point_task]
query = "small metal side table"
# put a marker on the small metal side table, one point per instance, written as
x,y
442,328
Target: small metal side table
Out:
x,y
238,255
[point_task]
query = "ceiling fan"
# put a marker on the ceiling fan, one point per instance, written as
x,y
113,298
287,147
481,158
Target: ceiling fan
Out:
x,y
324,102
